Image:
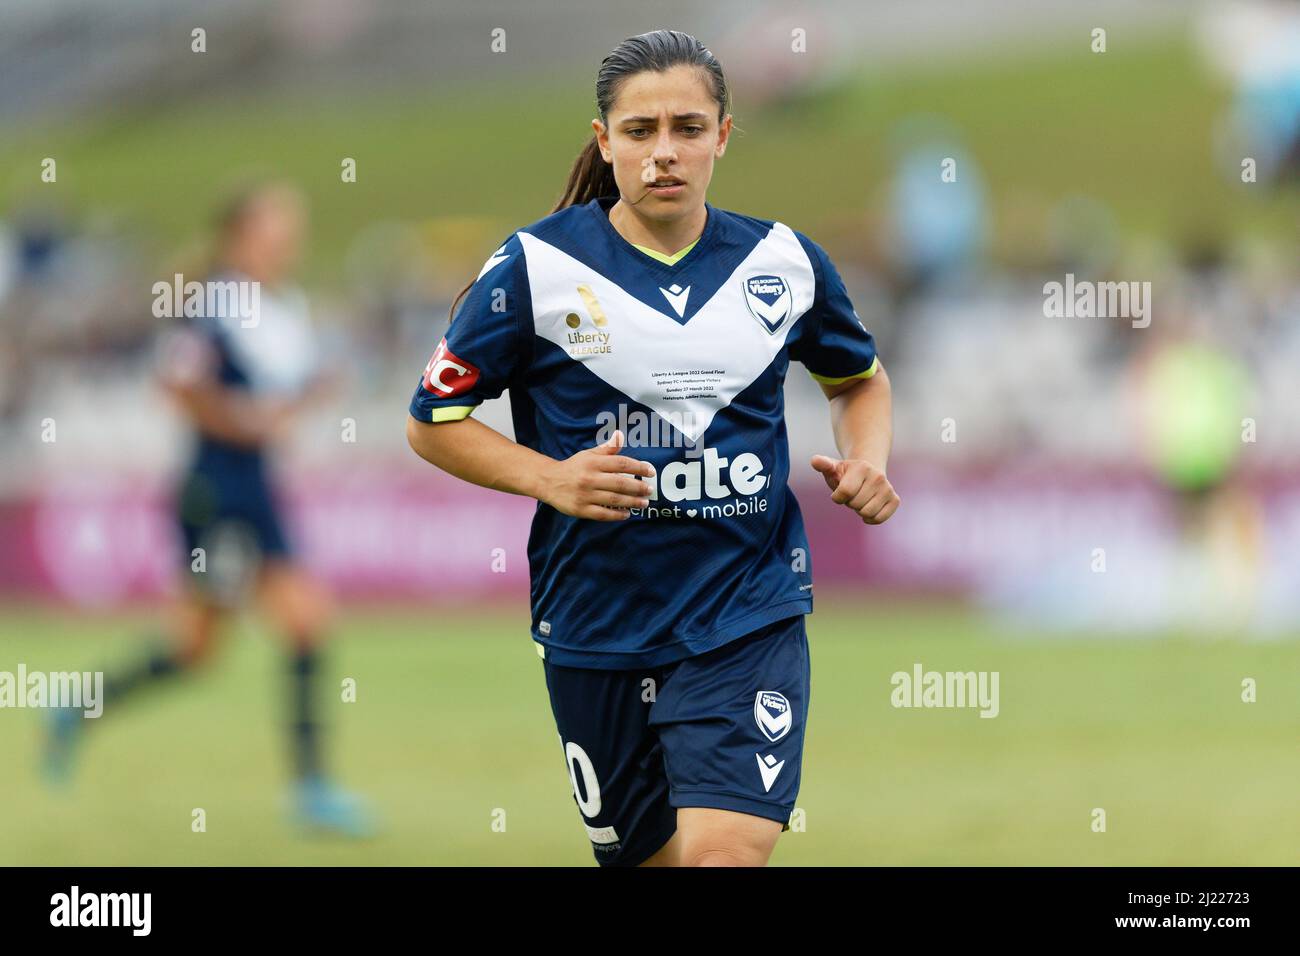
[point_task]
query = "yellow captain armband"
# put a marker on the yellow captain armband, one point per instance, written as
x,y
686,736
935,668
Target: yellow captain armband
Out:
x,y
827,380
451,413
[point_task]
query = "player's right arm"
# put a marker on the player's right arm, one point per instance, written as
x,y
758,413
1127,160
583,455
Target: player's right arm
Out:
x,y
187,364
594,483
482,352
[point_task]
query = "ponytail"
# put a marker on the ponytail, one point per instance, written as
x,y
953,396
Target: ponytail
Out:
x,y
590,177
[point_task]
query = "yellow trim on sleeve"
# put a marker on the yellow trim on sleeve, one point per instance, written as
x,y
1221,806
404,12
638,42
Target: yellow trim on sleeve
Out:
x,y
450,413
826,380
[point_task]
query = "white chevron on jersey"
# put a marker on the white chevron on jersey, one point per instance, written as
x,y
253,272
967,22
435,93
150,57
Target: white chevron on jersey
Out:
x,y
643,341
279,353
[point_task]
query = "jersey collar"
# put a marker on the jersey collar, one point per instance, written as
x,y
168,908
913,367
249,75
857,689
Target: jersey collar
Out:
x,y
600,207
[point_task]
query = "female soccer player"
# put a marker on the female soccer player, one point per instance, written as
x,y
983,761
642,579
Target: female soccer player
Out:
x,y
669,583
240,374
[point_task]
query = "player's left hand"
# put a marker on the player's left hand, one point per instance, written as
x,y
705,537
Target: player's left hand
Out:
x,y
860,485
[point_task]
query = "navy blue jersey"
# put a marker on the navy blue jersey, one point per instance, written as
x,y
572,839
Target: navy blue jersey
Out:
x,y
252,339
247,337
590,335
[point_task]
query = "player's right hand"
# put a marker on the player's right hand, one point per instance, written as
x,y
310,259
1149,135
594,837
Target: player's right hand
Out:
x,y
276,418
597,483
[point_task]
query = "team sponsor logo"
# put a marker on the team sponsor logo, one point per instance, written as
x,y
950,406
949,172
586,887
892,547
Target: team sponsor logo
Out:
x,y
773,715
448,376
713,486
602,836
583,341
768,298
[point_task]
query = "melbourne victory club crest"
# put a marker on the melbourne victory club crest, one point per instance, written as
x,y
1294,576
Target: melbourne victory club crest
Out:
x,y
768,298
773,715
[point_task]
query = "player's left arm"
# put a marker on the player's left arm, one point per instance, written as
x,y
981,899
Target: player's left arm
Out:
x,y
862,422
840,353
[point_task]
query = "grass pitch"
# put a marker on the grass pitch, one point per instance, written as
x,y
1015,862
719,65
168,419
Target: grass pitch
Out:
x,y
452,725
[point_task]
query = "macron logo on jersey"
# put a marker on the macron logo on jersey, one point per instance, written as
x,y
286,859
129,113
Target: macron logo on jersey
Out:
x,y
494,260
448,376
676,297
768,769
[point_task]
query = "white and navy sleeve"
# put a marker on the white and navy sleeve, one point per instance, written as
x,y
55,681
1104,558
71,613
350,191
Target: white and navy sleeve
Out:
x,y
485,346
834,346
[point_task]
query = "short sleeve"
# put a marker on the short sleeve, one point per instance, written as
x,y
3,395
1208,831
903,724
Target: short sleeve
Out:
x,y
835,346
484,345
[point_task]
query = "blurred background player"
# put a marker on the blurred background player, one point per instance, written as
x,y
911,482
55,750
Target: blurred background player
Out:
x,y
240,373
1192,393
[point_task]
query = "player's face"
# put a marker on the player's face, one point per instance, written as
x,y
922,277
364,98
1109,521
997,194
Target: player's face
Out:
x,y
271,236
664,126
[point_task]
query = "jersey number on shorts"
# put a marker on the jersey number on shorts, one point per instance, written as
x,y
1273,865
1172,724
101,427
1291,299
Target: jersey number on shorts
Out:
x,y
574,754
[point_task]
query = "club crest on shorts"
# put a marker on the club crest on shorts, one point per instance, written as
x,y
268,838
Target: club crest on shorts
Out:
x,y
768,298
773,715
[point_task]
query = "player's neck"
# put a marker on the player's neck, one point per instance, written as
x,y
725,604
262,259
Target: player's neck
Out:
x,y
668,237
250,268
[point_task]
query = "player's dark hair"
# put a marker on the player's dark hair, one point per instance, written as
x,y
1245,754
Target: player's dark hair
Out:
x,y
659,51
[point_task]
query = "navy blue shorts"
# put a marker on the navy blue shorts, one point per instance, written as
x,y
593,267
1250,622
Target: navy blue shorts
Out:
x,y
234,518
724,729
